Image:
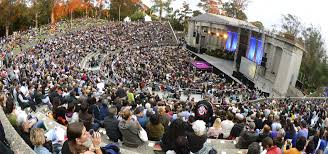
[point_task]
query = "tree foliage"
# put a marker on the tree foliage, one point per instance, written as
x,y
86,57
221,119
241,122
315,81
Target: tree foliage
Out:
x,y
20,15
162,5
235,9
204,5
196,13
185,11
314,63
291,25
210,6
125,7
314,66
138,15
258,24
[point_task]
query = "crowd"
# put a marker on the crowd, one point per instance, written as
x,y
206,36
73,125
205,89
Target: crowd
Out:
x,y
141,60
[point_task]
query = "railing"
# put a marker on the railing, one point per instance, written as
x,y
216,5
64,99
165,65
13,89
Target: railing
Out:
x,y
173,32
292,98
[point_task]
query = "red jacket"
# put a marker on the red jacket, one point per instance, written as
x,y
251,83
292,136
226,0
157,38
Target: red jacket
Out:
x,y
273,150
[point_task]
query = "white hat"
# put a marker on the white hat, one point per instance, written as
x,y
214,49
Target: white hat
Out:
x,y
239,116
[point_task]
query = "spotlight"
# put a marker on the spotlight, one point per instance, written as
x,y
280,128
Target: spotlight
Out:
x,y
217,34
225,36
209,32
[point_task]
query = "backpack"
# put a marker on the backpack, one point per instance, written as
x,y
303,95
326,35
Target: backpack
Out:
x,y
110,149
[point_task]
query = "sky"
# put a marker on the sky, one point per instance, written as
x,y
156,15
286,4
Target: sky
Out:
x,y
269,12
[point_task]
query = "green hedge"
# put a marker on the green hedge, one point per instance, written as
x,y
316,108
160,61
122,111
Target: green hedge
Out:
x,y
221,54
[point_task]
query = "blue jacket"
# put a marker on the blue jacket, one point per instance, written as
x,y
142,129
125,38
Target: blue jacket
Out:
x,y
100,112
41,150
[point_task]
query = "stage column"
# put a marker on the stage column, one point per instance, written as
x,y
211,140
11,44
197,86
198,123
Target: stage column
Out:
x,y
236,52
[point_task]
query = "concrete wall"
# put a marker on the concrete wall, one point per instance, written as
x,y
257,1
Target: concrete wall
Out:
x,y
285,60
17,144
211,42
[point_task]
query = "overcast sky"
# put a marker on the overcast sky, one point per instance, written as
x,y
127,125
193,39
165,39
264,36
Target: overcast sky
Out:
x,y
269,12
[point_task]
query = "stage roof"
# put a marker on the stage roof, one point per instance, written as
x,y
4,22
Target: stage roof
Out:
x,y
223,20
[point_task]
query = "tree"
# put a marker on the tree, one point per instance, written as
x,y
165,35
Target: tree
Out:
x,y
258,24
204,5
235,9
5,14
185,11
175,22
196,13
184,15
138,15
119,9
314,65
240,4
41,11
210,6
161,6
14,16
291,25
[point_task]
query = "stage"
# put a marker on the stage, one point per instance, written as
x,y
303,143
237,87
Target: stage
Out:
x,y
225,66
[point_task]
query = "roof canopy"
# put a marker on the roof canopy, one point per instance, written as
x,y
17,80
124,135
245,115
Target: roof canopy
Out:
x,y
223,20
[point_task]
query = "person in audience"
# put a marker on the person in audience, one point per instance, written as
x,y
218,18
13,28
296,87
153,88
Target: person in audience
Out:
x,y
58,112
254,148
163,117
216,130
174,130
290,130
100,111
3,98
154,128
4,144
24,127
303,131
270,148
238,127
189,123
86,117
141,116
182,146
247,137
111,125
38,139
279,140
265,133
268,120
275,126
259,121
130,127
77,137
227,125
70,115
23,101
299,147
197,139
10,110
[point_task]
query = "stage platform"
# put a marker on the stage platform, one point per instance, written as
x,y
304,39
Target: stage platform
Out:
x,y
226,66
